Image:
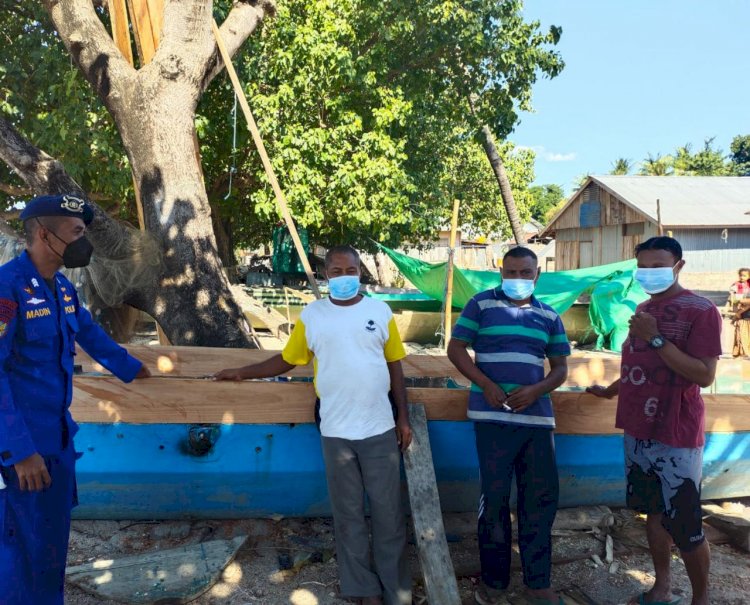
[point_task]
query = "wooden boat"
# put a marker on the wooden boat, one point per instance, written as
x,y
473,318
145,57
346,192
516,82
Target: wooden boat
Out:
x,y
418,316
179,446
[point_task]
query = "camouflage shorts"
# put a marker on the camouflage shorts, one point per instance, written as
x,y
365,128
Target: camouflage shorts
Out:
x,y
667,480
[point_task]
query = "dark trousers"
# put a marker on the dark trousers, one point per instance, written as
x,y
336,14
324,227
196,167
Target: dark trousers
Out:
x,y
34,528
372,466
530,452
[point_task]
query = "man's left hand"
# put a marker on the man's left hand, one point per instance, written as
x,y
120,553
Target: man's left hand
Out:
x,y
522,397
403,434
144,372
644,326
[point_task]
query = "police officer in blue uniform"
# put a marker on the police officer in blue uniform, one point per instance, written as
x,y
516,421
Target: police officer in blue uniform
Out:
x,y
41,319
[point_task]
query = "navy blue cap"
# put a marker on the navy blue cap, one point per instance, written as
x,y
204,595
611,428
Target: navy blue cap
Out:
x,y
58,205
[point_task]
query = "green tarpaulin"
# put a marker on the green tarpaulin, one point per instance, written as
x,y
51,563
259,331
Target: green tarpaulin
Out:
x,y
285,258
614,294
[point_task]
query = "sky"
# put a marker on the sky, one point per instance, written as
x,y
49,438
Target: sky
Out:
x,y
641,76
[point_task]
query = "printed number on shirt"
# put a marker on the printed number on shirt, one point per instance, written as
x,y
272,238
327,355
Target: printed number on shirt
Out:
x,y
634,375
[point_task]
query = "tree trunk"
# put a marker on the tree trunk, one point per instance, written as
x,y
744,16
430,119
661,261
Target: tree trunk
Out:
x,y
154,110
158,134
381,269
506,193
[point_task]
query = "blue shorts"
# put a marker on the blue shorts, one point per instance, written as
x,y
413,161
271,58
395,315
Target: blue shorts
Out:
x,y
666,480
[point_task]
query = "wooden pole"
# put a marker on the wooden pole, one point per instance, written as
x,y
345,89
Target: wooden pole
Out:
x,y
434,557
253,127
659,226
448,319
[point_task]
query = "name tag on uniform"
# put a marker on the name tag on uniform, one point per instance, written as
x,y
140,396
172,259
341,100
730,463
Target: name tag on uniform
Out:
x,y
35,313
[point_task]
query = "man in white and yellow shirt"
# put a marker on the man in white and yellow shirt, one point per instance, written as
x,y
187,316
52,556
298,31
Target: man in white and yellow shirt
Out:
x,y
357,355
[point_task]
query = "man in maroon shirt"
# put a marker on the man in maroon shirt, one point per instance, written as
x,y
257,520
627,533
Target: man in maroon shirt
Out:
x,y
671,352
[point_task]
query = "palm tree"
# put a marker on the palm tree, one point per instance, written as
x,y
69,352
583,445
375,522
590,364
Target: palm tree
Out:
x,y
621,166
506,193
658,165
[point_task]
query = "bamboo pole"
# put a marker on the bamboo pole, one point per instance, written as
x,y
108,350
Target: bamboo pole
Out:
x,y
253,127
448,319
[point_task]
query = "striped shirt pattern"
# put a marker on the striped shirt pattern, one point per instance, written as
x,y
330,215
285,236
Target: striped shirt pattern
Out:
x,y
510,344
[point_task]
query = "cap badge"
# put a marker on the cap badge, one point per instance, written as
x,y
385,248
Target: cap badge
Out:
x,y
72,204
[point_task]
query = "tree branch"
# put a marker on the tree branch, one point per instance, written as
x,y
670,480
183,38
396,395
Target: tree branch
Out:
x,y
17,191
46,175
241,22
92,48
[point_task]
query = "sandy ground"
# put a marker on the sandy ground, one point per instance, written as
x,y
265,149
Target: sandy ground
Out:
x,y
255,576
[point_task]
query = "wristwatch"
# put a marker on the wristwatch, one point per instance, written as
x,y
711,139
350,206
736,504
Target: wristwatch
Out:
x,y
656,342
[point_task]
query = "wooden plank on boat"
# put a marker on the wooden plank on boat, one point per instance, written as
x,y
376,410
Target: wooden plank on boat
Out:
x,y
434,557
177,575
196,362
170,400
579,413
584,367
105,399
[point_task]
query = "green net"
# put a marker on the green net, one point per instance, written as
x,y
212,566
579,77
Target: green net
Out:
x,y
613,292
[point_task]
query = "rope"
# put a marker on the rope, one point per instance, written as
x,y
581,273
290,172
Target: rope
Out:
x,y
233,168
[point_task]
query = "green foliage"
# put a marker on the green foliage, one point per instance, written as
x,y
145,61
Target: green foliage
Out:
x,y
363,106
706,162
740,157
621,166
545,198
657,165
45,97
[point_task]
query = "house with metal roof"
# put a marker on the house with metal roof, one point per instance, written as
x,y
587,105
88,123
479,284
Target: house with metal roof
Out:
x,y
609,216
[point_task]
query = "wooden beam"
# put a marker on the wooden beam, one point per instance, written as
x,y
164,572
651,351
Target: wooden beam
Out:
x,y
118,15
156,19
448,302
434,557
253,127
141,22
584,369
197,362
185,400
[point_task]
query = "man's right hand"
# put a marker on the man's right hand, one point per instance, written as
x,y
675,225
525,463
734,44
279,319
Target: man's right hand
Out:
x,y
494,395
600,391
235,374
32,474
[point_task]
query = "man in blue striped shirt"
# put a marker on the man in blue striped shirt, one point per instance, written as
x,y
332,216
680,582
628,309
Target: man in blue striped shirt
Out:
x,y
511,333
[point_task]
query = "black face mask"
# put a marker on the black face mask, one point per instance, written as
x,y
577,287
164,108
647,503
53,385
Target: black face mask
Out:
x,y
76,254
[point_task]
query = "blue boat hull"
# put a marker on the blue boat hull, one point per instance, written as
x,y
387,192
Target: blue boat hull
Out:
x,y
147,471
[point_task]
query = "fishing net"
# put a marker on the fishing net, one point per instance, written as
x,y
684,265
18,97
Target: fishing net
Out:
x,y
120,265
124,264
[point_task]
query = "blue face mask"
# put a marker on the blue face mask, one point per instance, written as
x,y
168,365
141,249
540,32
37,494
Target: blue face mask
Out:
x,y
518,289
345,287
655,280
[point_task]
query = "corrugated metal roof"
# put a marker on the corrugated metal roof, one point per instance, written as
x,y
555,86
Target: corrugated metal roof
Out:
x,y
688,201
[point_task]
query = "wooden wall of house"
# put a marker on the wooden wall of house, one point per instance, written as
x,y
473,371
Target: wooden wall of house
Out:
x,y
597,229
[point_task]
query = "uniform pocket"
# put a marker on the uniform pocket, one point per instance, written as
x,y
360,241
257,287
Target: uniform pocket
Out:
x,y
39,333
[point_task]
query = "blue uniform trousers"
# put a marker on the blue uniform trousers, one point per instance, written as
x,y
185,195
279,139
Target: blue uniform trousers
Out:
x,y
530,452
34,530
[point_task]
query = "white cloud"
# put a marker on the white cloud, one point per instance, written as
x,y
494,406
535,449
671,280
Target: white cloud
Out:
x,y
560,157
550,156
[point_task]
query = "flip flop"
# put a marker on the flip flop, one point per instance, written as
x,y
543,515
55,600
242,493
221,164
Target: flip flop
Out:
x,y
642,601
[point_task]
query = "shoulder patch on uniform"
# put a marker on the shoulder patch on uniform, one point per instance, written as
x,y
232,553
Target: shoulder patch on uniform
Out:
x,y
7,309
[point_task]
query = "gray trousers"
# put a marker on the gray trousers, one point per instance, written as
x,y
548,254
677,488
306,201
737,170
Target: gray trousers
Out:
x,y
354,467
